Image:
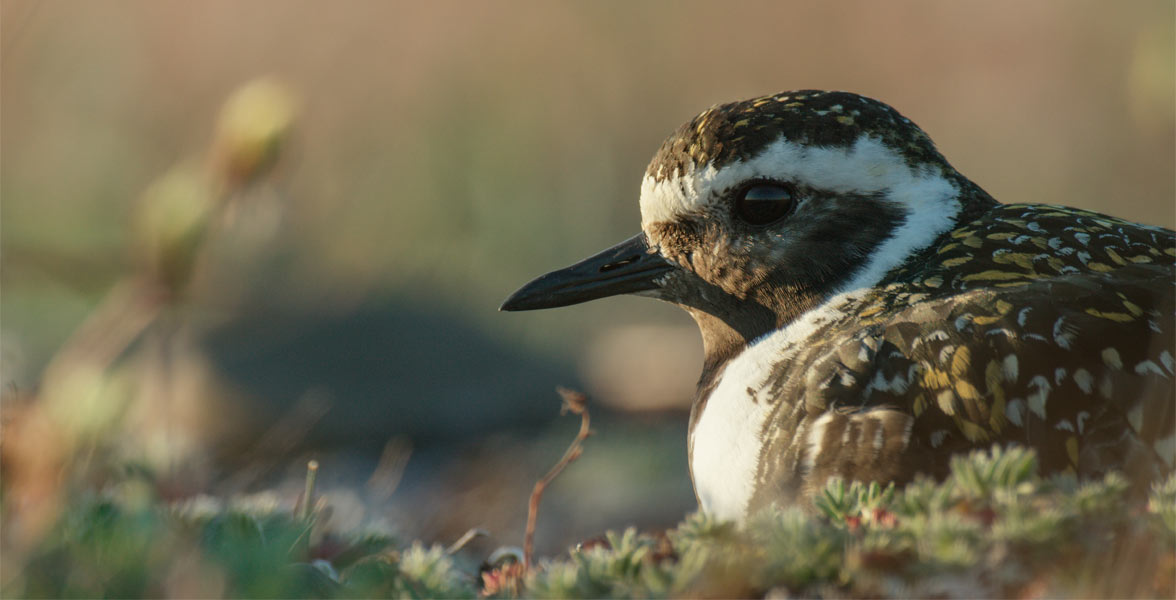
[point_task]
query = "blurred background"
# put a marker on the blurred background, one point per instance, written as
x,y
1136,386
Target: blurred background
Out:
x,y
236,236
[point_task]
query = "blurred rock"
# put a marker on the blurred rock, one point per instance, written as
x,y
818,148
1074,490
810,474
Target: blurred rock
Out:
x,y
383,370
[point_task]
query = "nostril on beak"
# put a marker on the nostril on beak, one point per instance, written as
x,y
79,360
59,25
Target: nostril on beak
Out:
x,y
616,265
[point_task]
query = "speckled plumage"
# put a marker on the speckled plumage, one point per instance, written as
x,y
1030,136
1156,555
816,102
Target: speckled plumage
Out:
x,y
895,314
1040,325
738,130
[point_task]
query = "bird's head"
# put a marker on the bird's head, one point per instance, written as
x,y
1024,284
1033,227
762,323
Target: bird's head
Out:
x,y
755,211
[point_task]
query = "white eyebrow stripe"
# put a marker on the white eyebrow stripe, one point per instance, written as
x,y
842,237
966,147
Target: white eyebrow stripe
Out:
x,y
866,167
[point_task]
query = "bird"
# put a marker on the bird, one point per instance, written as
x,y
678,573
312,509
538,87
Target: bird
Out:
x,y
868,312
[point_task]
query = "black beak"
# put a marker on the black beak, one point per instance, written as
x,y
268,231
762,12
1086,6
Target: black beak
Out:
x,y
629,267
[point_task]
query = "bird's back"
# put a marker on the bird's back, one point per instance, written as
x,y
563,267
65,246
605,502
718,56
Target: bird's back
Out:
x,y
1041,325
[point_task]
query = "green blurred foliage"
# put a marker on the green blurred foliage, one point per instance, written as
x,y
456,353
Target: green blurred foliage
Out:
x,y
1013,535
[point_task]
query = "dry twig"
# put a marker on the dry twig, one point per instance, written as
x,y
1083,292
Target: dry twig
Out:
x,y
466,538
577,403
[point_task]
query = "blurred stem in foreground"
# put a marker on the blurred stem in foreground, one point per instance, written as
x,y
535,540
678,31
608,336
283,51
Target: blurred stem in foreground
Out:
x,y
307,501
81,406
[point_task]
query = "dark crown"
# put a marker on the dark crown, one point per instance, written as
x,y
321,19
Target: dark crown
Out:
x,y
739,130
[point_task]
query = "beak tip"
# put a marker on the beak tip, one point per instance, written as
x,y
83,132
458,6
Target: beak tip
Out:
x,y
513,303
625,268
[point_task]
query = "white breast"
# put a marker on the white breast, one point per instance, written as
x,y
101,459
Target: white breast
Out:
x,y
729,434
726,450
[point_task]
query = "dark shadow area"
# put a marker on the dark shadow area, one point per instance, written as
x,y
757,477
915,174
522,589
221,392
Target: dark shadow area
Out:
x,y
386,369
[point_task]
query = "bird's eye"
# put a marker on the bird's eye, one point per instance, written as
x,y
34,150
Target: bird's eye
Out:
x,y
764,203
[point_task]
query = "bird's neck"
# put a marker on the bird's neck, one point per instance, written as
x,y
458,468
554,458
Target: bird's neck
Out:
x,y
720,343
726,334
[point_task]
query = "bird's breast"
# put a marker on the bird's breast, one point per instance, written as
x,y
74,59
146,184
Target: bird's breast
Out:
x,y
748,418
731,433
725,453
